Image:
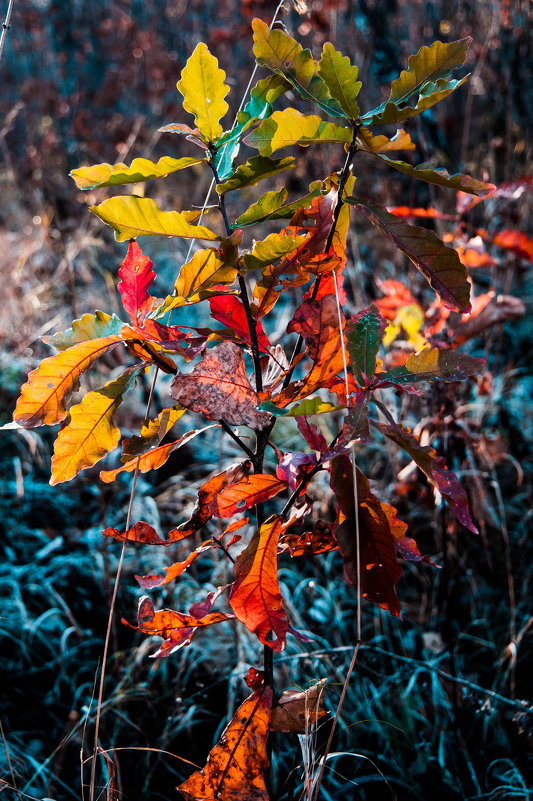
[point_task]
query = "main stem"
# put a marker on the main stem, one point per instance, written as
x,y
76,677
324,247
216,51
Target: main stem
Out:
x,y
262,436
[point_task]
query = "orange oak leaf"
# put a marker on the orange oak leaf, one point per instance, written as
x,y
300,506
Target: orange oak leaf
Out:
x,y
396,296
253,490
236,766
136,276
43,399
140,532
202,509
515,241
152,459
173,571
89,432
308,257
219,388
318,322
255,596
176,628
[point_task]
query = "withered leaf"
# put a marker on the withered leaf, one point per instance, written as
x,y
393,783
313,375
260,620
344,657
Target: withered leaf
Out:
x,y
298,710
218,387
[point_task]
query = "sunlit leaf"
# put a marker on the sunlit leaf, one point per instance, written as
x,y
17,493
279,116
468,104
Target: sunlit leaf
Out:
x,y
176,628
274,49
305,408
270,206
152,433
431,94
256,169
203,88
229,311
202,508
196,281
439,176
255,489
382,144
308,258
270,250
426,75
116,174
152,459
89,326
136,277
89,432
440,265
435,364
290,127
364,334
44,397
340,76
255,595
132,216
172,572
259,106
236,766
140,532
218,387
434,467
318,322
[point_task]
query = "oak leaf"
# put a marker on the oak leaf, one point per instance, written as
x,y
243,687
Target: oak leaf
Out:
x,y
152,459
136,276
236,766
255,596
219,388
89,431
49,387
299,710
237,497
176,628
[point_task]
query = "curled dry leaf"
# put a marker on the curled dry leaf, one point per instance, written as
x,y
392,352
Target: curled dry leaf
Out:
x,y
298,710
218,387
173,571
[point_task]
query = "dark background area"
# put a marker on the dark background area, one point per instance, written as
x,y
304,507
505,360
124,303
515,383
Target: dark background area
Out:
x,y
440,702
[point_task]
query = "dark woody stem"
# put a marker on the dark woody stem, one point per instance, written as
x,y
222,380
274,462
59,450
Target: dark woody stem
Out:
x,y
242,288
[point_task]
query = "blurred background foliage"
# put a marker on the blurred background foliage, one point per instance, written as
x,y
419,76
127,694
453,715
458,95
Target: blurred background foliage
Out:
x,y
440,704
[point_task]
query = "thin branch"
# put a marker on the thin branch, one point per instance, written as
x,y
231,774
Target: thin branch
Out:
x,y
242,445
243,292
